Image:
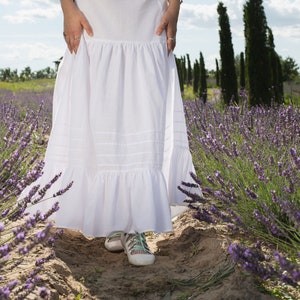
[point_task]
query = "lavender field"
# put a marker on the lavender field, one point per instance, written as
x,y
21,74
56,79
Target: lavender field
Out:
x,y
25,119
247,163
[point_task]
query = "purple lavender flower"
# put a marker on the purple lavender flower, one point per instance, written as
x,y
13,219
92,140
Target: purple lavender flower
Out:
x,y
1,226
5,213
4,292
219,177
292,275
256,160
250,193
19,167
20,236
234,149
44,293
205,216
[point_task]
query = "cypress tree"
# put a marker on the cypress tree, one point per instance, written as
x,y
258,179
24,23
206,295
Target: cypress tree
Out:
x,y
184,69
189,70
242,71
228,72
180,71
280,80
196,80
257,58
275,70
217,73
203,80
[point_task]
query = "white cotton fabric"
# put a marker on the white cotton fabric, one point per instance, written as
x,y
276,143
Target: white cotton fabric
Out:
x,y
118,125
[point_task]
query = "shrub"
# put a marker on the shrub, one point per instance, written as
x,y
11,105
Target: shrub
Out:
x,y
248,165
21,134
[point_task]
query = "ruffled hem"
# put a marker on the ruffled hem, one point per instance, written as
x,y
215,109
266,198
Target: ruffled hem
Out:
x,y
102,202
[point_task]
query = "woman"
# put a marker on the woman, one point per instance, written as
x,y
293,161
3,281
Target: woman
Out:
x,y
118,123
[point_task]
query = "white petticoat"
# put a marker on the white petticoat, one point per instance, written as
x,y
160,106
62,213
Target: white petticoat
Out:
x,y
118,125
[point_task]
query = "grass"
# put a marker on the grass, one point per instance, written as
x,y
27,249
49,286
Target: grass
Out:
x,y
203,281
189,94
35,85
292,91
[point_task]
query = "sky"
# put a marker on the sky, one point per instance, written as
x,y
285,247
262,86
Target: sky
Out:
x,y
31,30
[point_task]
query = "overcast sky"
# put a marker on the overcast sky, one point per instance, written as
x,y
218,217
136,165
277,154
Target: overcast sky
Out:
x,y
31,30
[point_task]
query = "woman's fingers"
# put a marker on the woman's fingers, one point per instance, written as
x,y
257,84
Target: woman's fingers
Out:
x,y
86,26
171,43
72,41
171,34
169,25
73,30
162,26
75,40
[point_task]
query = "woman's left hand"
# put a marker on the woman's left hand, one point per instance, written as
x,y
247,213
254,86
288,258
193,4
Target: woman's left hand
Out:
x,y
168,23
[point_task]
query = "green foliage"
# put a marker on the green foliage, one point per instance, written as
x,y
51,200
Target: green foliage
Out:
x,y
292,93
258,72
228,72
196,79
188,93
37,85
180,63
276,79
217,73
8,75
247,161
289,69
189,78
242,71
203,80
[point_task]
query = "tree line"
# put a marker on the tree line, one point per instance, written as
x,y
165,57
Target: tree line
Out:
x,y
9,75
259,70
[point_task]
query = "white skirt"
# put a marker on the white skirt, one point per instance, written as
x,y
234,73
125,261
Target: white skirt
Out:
x,y
118,125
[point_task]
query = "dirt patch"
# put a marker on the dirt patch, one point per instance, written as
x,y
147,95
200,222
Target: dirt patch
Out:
x,y
191,263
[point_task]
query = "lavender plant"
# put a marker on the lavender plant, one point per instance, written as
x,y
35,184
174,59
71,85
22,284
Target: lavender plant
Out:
x,y
20,234
25,100
248,164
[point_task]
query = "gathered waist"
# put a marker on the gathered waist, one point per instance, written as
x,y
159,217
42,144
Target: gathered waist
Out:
x,y
124,20
156,40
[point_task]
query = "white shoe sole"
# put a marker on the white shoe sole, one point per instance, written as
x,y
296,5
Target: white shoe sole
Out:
x,y
137,259
113,245
141,259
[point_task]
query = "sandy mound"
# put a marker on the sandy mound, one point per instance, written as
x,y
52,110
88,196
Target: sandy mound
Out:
x,y
192,263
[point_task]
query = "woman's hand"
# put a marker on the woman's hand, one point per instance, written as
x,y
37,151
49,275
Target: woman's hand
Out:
x,y
74,23
168,23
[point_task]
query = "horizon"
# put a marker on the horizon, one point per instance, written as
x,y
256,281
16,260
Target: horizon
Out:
x,y
33,31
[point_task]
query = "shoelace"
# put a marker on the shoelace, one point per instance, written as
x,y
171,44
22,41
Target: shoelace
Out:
x,y
137,242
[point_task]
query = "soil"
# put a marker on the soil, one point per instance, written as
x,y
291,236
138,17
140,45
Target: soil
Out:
x,y
191,263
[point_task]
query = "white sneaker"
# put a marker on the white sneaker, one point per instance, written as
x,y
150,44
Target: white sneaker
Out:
x,y
113,242
137,250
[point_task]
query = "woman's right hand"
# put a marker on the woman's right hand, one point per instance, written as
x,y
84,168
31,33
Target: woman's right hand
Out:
x,y
74,23
168,23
